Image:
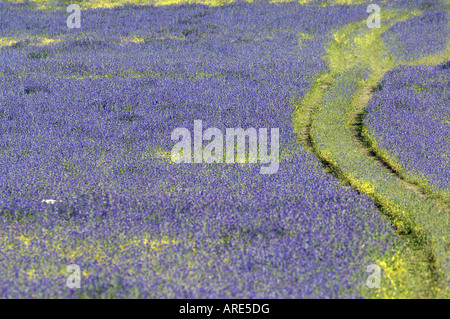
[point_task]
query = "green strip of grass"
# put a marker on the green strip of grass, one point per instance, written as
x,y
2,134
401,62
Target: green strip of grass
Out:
x,y
334,143
440,195
355,53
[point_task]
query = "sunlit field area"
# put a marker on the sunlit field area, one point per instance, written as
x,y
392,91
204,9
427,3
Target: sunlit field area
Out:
x,y
224,149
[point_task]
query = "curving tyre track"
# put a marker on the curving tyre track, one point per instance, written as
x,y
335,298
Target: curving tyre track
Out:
x,y
331,126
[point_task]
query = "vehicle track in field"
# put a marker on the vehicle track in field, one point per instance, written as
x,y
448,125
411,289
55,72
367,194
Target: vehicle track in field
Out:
x,y
424,256
422,262
357,127
421,255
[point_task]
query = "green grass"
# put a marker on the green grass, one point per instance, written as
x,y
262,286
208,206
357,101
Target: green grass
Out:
x,y
440,195
422,268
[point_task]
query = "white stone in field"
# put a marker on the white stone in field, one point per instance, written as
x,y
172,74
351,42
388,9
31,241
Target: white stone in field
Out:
x,y
49,201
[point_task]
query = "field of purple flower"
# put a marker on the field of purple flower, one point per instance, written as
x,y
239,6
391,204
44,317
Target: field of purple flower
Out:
x,y
409,118
86,176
